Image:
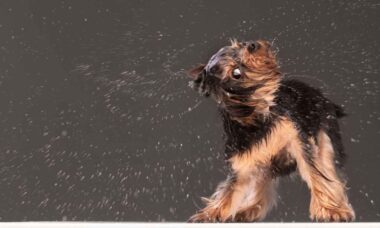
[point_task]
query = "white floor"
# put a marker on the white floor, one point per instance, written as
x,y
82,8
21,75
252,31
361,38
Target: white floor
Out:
x,y
176,225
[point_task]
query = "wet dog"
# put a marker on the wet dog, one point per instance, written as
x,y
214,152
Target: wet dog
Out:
x,y
273,127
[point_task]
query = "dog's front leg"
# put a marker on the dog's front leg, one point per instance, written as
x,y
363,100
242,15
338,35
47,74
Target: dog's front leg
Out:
x,y
260,199
223,204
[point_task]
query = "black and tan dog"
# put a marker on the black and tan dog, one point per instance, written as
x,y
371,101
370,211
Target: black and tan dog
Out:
x,y
273,127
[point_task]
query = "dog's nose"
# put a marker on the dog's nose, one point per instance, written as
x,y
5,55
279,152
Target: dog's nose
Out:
x,y
213,71
252,46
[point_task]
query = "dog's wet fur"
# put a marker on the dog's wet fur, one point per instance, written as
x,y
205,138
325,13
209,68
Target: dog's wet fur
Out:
x,y
273,127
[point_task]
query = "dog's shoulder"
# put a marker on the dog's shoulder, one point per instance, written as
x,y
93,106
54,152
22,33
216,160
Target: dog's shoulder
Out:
x,y
305,105
291,90
295,95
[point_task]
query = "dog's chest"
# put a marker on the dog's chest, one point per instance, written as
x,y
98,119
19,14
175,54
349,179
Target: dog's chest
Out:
x,y
241,138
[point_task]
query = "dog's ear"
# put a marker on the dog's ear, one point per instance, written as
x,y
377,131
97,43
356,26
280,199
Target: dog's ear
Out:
x,y
194,73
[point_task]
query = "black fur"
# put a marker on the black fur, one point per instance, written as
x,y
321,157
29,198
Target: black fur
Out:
x,y
308,109
282,165
239,138
311,112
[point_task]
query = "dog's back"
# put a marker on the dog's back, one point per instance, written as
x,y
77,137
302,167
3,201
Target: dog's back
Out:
x,y
311,111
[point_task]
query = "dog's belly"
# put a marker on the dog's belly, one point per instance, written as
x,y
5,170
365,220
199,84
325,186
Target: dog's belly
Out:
x,y
282,164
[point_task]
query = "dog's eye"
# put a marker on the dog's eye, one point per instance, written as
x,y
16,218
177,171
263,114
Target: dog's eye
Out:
x,y
236,73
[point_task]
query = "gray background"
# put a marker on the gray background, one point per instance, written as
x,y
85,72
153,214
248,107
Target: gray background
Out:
x,y
97,121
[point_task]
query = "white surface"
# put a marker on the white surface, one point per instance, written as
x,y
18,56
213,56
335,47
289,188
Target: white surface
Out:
x,y
176,225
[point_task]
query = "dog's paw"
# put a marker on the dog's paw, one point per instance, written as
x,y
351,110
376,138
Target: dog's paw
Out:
x,y
339,214
212,213
251,214
199,218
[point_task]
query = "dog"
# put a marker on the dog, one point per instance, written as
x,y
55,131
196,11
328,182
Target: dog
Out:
x,y
273,127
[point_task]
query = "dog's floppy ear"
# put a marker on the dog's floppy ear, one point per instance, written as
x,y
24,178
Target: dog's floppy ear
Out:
x,y
194,73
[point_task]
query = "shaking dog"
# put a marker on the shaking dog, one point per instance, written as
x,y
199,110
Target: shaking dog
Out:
x,y
273,127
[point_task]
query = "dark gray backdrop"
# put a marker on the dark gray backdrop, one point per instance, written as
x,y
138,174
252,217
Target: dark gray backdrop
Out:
x,y
97,121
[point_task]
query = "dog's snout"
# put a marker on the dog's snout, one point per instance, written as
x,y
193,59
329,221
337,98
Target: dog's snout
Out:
x,y
213,71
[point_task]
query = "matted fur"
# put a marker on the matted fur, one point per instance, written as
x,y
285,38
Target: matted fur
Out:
x,y
273,127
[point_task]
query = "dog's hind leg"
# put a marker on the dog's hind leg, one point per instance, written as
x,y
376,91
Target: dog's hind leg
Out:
x,y
329,200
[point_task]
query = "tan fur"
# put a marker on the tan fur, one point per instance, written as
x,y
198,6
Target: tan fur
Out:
x,y
218,204
263,60
262,99
329,201
263,71
266,74
251,193
261,198
261,154
234,43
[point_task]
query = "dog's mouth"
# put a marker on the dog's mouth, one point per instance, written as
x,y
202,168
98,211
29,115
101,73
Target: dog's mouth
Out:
x,y
204,85
220,91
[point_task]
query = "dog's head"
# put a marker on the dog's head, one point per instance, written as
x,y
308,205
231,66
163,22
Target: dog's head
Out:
x,y
241,77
